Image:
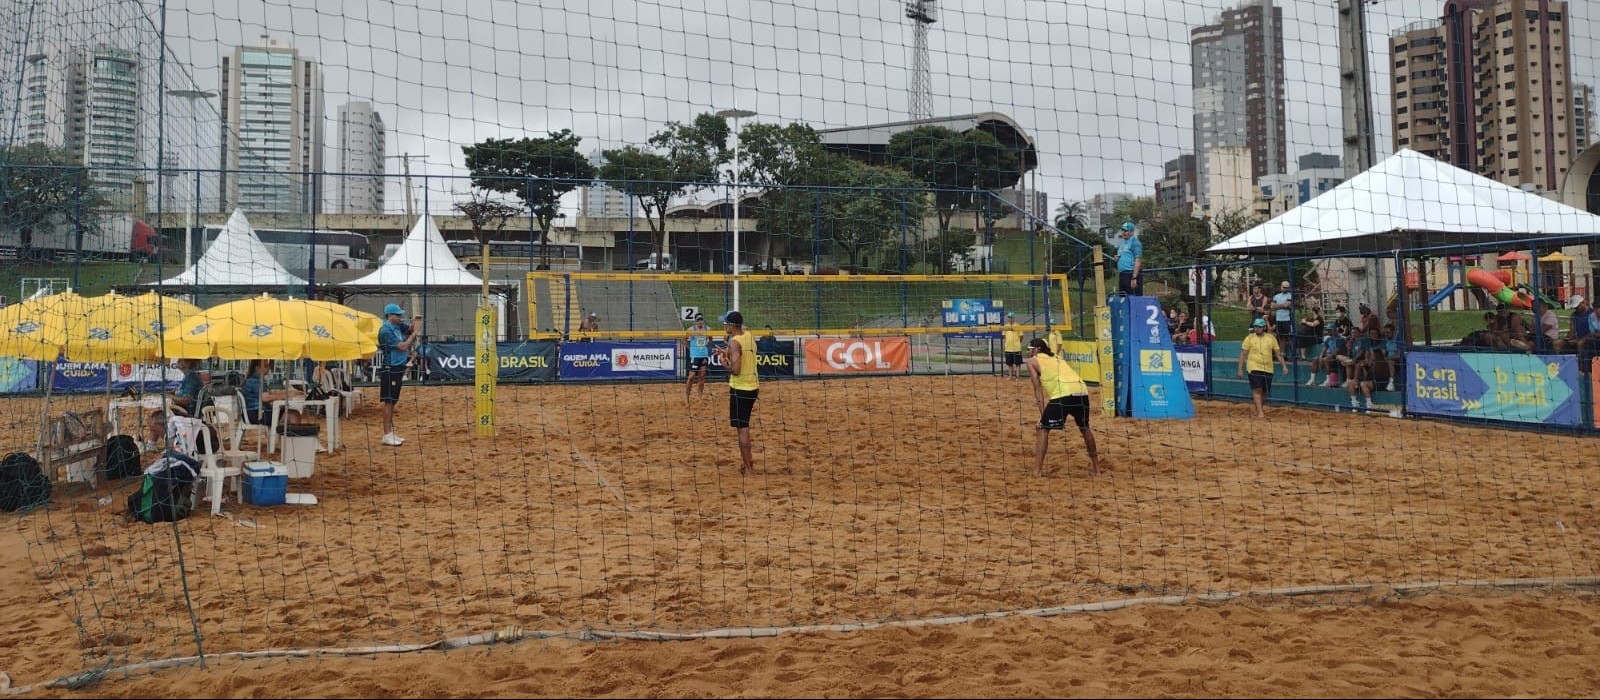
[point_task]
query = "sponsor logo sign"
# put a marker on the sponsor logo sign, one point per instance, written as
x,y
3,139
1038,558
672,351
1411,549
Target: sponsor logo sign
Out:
x,y
858,355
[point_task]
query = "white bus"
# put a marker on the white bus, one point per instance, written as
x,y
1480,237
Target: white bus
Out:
x,y
338,250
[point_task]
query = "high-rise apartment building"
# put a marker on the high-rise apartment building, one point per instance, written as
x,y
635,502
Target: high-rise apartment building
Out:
x,y
361,159
1583,116
86,100
600,201
1488,88
1239,90
1176,189
272,129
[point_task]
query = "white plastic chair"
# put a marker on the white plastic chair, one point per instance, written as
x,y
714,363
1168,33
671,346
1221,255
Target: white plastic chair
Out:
x,y
214,475
222,419
352,393
241,420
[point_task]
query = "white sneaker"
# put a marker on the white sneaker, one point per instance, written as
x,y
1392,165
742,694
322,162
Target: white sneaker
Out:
x,y
392,439
1354,403
1312,381
1391,387
1369,404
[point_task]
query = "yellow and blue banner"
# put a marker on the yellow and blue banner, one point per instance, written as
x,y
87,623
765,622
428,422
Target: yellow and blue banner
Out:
x,y
1150,382
1520,388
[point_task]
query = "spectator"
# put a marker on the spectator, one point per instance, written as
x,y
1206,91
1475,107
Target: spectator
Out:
x,y
1283,316
1310,331
1172,324
1368,322
590,325
1515,327
1582,327
186,398
1185,328
1258,305
1393,349
1327,359
1360,367
1341,320
1549,324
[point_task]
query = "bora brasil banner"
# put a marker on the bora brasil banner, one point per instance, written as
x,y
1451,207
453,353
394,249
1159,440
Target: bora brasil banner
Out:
x,y
520,361
1521,388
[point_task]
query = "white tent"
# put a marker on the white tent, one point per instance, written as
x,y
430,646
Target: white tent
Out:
x,y
236,259
1411,201
423,259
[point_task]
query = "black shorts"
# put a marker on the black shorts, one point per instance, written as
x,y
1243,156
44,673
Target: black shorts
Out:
x,y
1285,329
259,416
1013,359
1056,412
389,379
740,404
699,363
1261,380
1127,285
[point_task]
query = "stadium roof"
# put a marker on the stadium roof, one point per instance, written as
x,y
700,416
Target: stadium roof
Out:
x,y
869,142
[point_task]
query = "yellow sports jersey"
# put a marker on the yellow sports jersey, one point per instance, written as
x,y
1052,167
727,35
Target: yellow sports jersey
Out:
x,y
1013,340
1053,340
1058,378
1259,350
746,379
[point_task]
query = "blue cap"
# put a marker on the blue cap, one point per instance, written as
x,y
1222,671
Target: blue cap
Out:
x,y
1127,225
393,310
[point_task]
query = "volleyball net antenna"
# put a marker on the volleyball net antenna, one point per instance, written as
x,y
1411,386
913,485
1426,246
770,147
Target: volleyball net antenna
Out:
x,y
896,197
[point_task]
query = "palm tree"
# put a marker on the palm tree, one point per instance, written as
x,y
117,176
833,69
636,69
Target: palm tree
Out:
x,y
1072,217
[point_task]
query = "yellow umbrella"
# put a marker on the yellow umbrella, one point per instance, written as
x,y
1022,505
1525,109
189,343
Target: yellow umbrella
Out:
x,y
269,329
367,323
38,329
119,328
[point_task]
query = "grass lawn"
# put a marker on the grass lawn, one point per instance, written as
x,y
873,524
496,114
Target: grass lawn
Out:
x,y
799,305
88,279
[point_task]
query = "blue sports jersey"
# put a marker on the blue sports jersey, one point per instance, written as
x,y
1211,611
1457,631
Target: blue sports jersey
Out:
x,y
1332,344
699,346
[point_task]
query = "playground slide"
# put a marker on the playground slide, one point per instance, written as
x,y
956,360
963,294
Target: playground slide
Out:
x,y
1494,285
1441,295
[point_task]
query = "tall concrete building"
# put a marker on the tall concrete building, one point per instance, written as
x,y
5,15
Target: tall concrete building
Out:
x,y
1176,189
1239,90
86,100
361,159
272,130
1583,116
603,201
1488,88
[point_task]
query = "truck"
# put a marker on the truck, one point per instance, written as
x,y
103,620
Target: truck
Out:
x,y
107,237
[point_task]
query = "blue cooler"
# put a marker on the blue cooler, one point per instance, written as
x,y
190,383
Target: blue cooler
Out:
x,y
265,483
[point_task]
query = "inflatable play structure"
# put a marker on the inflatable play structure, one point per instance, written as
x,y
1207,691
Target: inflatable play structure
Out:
x,y
1498,284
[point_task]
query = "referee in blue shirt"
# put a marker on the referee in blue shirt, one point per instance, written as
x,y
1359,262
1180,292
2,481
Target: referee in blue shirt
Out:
x,y
1130,262
395,341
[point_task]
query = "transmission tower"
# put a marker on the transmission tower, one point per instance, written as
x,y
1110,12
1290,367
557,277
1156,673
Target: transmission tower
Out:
x,y
922,13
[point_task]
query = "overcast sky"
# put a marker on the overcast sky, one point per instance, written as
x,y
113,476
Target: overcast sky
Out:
x,y
1102,85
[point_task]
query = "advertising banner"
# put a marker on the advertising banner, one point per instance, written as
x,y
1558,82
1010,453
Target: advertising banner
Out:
x,y
1084,356
774,358
1521,388
643,360
520,361
1154,386
858,355
971,313
1192,359
18,376
90,377
1106,351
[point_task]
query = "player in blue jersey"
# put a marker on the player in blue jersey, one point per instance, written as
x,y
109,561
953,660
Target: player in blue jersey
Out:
x,y
699,342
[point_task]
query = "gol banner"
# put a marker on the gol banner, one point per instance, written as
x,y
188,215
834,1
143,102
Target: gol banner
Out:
x,y
858,355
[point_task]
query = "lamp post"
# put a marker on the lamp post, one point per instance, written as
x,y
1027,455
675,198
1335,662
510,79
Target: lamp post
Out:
x,y
188,211
736,115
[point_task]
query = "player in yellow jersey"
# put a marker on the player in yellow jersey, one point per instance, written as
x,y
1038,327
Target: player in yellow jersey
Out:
x,y
1013,347
739,357
1059,392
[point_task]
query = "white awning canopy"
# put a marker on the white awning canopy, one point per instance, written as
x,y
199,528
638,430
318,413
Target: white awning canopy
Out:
x,y
1411,201
424,259
236,259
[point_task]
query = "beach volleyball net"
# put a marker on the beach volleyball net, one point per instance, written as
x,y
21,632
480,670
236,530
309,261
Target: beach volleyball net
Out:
x,y
891,182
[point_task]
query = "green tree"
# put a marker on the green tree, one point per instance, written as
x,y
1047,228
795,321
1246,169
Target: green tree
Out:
x,y
682,158
962,167
880,202
537,171
1072,218
42,187
486,214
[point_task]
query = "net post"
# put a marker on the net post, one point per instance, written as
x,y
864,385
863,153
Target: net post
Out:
x,y
1102,330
